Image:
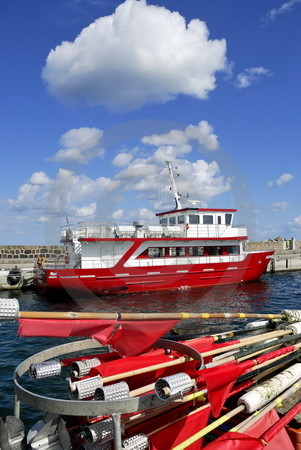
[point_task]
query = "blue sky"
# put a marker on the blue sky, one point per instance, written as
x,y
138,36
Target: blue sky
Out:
x,y
97,94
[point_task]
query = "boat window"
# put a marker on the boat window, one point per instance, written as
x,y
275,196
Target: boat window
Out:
x,y
181,219
163,221
228,219
219,220
172,220
196,251
213,251
177,251
207,219
233,249
194,219
156,252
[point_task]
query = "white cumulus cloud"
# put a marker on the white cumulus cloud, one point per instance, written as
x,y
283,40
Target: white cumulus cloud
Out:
x,y
278,206
68,191
285,8
284,178
39,178
140,54
122,159
79,145
201,134
250,76
117,215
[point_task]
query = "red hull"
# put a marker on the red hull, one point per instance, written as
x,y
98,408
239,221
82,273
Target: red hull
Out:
x,y
155,278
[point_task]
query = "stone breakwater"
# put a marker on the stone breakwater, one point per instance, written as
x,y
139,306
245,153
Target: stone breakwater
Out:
x,y
16,255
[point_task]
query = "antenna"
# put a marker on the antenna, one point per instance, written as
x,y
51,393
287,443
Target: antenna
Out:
x,y
173,186
194,202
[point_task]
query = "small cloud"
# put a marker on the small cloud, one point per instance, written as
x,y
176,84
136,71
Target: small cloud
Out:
x,y
39,178
250,76
297,220
117,215
122,159
79,145
85,211
278,206
283,9
202,134
284,178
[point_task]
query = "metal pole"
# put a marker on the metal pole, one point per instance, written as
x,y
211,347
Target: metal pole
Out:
x,y
117,432
16,407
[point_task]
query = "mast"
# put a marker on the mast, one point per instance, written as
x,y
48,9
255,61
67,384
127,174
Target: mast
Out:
x,y
173,186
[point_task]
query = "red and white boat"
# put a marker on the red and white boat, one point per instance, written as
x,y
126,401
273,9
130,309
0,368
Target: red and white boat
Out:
x,y
190,247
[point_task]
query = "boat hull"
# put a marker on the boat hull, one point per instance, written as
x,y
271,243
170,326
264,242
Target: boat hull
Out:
x,y
155,278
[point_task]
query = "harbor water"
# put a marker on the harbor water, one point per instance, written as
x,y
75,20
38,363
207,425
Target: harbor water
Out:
x,y
272,293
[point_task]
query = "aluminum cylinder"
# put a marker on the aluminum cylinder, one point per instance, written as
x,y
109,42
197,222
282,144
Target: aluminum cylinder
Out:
x,y
46,369
100,432
137,442
82,368
179,383
81,389
9,309
117,391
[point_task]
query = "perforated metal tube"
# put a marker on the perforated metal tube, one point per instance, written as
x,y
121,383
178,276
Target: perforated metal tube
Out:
x,y
117,391
100,432
9,309
46,369
84,388
137,442
179,383
82,368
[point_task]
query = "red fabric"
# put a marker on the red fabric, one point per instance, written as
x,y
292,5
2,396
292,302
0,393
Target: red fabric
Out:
x,y
270,434
131,338
270,420
235,441
274,354
219,381
267,426
251,439
177,432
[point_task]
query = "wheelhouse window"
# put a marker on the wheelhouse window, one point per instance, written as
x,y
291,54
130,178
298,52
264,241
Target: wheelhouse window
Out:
x,y
228,218
196,251
172,220
207,219
163,221
156,252
181,219
177,251
213,251
194,219
219,220
233,249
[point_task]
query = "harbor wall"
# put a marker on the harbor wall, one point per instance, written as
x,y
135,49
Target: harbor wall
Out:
x,y
27,255
287,256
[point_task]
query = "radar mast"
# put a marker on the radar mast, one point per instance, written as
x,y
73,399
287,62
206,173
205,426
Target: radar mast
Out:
x,y
173,186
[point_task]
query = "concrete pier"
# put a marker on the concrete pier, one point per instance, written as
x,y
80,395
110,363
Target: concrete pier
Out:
x,y
287,256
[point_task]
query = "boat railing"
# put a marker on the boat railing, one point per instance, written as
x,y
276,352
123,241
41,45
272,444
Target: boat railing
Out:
x,y
177,261
106,230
